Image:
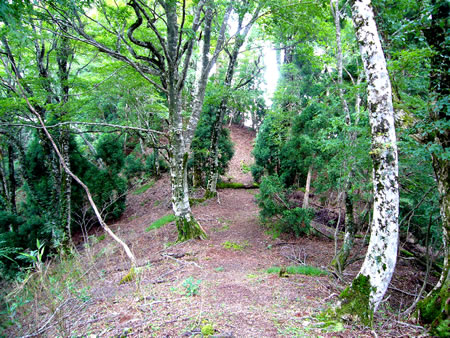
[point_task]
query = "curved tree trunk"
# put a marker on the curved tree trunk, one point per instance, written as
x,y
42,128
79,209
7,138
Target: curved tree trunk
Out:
x,y
187,226
363,297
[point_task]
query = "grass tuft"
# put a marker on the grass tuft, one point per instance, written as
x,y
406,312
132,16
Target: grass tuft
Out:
x,y
235,185
299,270
161,222
235,246
144,188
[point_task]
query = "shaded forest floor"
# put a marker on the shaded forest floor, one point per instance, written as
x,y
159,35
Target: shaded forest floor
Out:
x,y
221,281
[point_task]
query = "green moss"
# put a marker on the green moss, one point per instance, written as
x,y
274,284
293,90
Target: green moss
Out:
x,y
235,246
189,229
161,222
434,310
235,185
355,301
298,270
130,276
208,330
196,201
143,188
210,194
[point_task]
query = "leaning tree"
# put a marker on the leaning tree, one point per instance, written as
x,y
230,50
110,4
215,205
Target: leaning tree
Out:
x,y
363,297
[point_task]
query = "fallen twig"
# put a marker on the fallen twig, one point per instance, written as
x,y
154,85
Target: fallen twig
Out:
x,y
181,261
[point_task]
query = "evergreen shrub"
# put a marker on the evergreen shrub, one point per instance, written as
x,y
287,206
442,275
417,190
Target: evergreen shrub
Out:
x,y
277,213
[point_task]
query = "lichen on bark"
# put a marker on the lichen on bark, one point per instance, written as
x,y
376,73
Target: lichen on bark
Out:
x,y
363,297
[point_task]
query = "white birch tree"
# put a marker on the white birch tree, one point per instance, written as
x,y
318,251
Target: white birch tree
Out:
x,y
363,297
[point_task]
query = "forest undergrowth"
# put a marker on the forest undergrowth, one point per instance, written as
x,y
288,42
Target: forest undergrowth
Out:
x,y
243,281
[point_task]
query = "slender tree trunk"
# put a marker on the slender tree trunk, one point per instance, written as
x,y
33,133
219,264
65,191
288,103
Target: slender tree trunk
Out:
x,y
180,137
307,188
3,183
12,180
363,297
213,177
66,184
434,309
339,262
63,56
157,166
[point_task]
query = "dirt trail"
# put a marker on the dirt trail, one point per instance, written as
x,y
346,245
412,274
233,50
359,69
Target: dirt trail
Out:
x,y
226,274
243,139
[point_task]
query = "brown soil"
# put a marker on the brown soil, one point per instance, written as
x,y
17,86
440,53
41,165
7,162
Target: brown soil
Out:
x,y
235,294
243,139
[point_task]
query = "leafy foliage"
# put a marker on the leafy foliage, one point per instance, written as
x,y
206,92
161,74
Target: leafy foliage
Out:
x,y
199,162
277,213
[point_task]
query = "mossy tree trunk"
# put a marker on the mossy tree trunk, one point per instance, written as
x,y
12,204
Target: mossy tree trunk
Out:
x,y
435,308
376,272
164,53
186,224
180,137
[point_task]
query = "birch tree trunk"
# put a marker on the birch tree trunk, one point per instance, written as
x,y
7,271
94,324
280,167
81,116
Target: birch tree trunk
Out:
x,y
307,188
363,297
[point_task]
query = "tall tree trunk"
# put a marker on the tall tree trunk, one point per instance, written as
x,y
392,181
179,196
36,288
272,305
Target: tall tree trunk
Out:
x,y
180,138
3,183
12,180
187,226
434,309
66,184
363,297
63,57
339,262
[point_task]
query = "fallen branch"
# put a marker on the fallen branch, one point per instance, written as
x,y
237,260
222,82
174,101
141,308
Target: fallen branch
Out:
x,y
312,224
181,261
45,326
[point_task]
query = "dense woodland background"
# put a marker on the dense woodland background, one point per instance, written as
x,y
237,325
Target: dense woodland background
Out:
x,y
134,93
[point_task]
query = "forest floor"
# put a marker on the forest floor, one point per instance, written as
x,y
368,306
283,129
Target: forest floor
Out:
x,y
220,282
